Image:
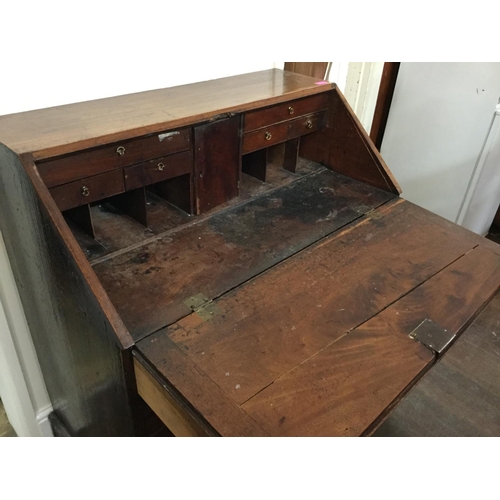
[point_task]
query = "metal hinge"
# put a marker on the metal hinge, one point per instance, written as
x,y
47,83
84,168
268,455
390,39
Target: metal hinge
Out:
x,y
433,336
202,306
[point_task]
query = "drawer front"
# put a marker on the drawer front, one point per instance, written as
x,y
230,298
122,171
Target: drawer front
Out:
x,y
285,111
265,137
95,161
306,124
158,170
88,190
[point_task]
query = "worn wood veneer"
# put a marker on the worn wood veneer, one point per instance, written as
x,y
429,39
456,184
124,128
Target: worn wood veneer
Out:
x,y
232,258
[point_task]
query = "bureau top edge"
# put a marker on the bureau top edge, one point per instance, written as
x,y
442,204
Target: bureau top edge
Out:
x,y
60,130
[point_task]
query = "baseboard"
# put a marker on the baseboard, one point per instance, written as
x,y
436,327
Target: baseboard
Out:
x,y
42,420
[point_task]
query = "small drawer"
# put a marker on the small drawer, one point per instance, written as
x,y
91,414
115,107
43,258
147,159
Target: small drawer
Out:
x,y
95,161
265,137
88,190
287,111
306,124
161,169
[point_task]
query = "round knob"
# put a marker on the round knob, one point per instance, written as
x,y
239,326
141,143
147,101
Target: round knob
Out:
x,y
120,150
160,167
291,110
85,191
268,136
309,124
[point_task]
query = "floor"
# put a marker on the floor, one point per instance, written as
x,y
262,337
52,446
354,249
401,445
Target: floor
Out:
x,y
6,429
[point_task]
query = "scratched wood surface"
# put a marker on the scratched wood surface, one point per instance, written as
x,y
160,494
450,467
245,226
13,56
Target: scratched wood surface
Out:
x,y
265,328
115,231
460,396
345,147
199,395
151,285
319,344
345,387
65,129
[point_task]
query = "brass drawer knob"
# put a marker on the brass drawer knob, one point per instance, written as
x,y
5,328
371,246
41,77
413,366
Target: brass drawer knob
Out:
x,y
85,191
160,167
120,150
291,110
309,124
268,136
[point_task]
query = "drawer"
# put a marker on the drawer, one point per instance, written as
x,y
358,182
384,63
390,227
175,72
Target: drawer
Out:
x,y
265,137
95,161
158,170
285,111
306,124
88,190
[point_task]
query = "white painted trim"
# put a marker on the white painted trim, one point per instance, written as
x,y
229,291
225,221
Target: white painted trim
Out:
x,y
42,420
361,90
22,388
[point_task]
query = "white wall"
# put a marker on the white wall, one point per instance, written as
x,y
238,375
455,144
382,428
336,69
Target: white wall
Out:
x,y
483,193
439,119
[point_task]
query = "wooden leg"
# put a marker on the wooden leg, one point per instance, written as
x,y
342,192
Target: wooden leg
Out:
x,y
255,164
177,191
82,217
133,203
291,155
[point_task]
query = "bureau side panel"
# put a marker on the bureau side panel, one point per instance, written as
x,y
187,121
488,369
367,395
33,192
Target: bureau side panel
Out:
x,y
78,344
345,147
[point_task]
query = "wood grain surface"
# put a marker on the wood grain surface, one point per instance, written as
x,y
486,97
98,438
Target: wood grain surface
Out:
x,y
269,325
77,333
345,147
320,345
344,388
65,129
150,284
460,396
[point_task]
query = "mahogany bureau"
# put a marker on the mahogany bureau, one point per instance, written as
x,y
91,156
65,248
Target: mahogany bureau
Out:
x,y
227,258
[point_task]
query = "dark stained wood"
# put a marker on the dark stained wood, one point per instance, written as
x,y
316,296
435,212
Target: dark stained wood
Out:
x,y
96,161
66,129
217,162
88,190
265,137
384,100
132,203
349,384
114,231
82,217
275,114
158,170
76,332
255,164
268,326
149,284
460,396
171,412
199,395
291,155
345,147
307,124
316,69
177,191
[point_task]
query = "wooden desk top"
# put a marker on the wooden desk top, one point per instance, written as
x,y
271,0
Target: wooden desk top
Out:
x,y
319,345
460,396
65,129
